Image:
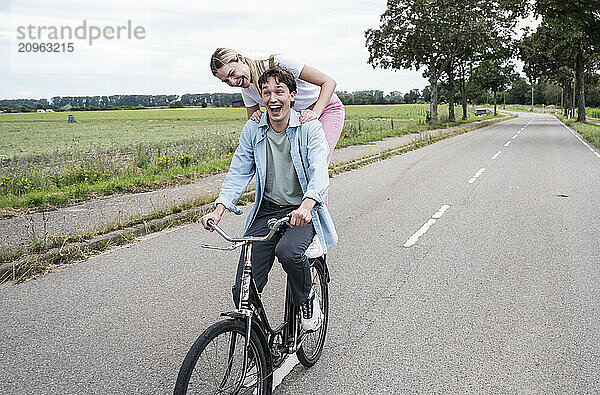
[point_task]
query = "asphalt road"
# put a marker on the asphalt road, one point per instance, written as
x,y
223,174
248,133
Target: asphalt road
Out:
x,y
459,270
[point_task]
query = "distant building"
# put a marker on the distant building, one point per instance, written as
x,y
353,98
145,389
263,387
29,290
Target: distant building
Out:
x,y
237,104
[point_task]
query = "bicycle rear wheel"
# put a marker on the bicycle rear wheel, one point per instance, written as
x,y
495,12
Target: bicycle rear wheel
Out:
x,y
214,363
312,346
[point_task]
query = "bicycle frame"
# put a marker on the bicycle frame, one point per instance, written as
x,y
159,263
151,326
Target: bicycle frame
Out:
x,y
250,307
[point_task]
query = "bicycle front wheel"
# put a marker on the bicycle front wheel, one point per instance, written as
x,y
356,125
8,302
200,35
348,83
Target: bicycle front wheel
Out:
x,y
312,346
214,364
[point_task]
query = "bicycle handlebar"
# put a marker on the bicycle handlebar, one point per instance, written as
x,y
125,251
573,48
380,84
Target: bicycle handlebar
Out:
x,y
274,224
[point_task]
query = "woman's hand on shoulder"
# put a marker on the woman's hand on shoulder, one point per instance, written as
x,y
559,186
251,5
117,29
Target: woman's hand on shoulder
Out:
x,y
256,116
307,115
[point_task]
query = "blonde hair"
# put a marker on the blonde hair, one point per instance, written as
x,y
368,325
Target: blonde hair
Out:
x,y
223,56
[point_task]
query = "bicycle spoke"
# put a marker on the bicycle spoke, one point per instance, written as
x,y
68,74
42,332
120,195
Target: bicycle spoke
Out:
x,y
219,368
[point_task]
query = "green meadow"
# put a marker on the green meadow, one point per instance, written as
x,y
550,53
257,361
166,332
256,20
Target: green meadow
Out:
x,y
46,162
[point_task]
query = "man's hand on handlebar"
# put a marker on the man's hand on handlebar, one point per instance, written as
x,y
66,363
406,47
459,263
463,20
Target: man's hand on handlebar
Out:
x,y
301,216
215,215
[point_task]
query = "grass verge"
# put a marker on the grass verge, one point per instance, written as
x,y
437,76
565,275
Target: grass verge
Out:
x,y
589,131
134,182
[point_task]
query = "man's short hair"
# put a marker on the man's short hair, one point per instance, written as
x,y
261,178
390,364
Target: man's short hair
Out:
x,y
281,75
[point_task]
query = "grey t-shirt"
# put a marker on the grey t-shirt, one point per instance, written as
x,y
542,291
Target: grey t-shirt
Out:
x,y
282,186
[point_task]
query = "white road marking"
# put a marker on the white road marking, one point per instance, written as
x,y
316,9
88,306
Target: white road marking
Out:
x,y
580,139
514,137
507,144
412,240
476,176
497,155
284,370
440,212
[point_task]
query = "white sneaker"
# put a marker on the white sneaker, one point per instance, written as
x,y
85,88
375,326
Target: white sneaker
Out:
x,y
314,250
312,316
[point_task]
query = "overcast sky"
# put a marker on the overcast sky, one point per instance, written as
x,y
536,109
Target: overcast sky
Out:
x,y
180,36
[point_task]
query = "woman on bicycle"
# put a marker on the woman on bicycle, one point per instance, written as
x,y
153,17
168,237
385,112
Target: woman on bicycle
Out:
x,y
315,98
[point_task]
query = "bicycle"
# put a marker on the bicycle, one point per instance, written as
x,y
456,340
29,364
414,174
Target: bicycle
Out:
x,y
239,354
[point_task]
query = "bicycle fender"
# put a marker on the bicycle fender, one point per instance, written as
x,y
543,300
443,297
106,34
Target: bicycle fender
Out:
x,y
260,333
234,314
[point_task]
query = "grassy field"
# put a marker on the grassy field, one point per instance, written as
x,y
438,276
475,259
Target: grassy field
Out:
x,y
47,162
592,112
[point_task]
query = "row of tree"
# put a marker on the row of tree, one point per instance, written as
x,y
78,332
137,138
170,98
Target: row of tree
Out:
x,y
58,103
378,97
471,42
545,92
564,48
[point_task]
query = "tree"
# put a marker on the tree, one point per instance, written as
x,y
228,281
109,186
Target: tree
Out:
x,y
480,30
443,36
412,96
518,93
426,94
529,48
395,97
494,76
575,33
412,34
551,94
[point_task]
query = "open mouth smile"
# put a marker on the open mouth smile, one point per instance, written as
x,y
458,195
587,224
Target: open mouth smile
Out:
x,y
275,109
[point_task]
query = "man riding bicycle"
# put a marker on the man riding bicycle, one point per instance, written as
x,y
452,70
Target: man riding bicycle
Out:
x,y
289,159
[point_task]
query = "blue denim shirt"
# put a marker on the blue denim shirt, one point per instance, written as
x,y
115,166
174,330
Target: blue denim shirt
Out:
x,y
309,151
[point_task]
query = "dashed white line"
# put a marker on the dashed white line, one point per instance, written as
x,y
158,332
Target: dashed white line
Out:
x,y
497,155
507,144
412,240
476,176
514,137
284,370
440,212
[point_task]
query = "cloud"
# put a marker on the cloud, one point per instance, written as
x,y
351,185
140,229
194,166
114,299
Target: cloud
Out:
x,y
181,36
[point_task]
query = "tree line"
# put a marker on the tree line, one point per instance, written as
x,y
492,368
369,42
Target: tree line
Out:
x,y
87,103
470,44
545,92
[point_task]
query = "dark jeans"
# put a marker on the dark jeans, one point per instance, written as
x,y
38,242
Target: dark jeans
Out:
x,y
288,246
